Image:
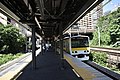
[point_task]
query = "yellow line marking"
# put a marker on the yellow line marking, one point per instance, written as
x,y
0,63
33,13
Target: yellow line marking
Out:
x,y
85,74
76,73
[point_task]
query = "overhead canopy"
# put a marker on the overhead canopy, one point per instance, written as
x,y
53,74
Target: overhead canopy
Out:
x,y
50,14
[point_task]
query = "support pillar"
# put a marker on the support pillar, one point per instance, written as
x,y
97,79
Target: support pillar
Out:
x,y
55,47
42,47
61,46
33,48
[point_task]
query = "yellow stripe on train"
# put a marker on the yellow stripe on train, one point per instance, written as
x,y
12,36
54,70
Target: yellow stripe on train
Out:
x,y
86,48
64,48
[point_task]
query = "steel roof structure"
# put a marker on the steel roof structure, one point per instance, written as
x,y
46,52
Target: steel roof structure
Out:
x,y
48,15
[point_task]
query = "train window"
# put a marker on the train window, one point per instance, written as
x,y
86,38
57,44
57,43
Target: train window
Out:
x,y
79,42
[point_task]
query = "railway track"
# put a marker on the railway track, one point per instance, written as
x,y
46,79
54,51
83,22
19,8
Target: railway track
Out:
x,y
12,69
12,64
109,73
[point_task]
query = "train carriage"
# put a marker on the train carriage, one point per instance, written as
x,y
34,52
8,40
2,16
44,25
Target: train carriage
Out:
x,y
77,46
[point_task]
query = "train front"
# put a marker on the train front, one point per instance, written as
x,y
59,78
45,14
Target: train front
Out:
x,y
80,48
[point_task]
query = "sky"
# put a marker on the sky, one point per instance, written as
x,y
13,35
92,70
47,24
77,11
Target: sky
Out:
x,y
111,5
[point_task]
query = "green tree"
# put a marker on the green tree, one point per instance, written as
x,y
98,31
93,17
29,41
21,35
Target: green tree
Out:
x,y
94,41
103,30
109,26
114,26
1,41
13,41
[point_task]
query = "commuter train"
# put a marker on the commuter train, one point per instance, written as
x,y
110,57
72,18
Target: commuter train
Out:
x,y
77,46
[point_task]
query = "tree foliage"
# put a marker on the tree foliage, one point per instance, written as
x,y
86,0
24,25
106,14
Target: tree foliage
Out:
x,y
114,26
99,57
11,39
1,41
109,26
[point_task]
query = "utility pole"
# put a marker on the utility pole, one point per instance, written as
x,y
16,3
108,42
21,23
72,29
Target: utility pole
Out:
x,y
99,36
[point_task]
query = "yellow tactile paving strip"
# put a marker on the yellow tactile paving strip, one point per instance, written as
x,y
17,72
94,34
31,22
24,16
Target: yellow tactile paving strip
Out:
x,y
85,74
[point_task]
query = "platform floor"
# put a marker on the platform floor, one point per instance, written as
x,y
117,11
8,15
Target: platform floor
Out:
x,y
48,68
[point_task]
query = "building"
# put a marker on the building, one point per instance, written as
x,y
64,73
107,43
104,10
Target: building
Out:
x,y
88,23
97,12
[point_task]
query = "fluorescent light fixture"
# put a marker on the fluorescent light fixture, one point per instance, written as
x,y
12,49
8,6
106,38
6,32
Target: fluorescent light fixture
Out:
x,y
37,23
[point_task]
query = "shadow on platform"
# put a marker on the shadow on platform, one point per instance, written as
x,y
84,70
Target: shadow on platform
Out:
x,y
48,68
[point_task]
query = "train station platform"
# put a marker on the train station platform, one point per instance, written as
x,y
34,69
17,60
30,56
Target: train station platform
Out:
x,y
48,67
